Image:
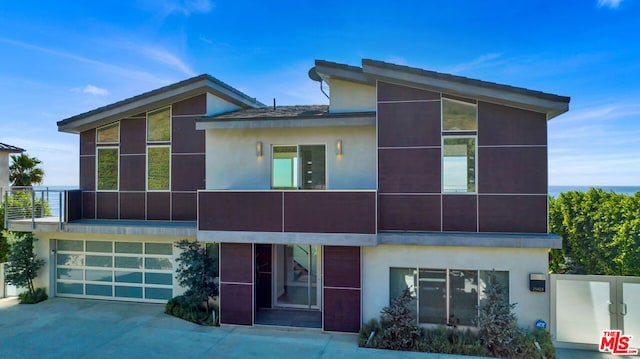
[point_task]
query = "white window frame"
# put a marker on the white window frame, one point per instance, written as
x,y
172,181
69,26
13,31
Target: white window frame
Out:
x,y
146,129
98,142
475,169
299,168
443,99
147,168
98,148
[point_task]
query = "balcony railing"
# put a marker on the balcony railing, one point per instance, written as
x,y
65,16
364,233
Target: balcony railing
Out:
x,y
26,204
288,211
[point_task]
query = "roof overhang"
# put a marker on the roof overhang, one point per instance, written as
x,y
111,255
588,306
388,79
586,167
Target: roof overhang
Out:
x,y
10,149
329,120
154,99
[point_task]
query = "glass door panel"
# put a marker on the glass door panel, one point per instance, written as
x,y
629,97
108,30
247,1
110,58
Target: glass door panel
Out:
x,y
313,166
296,282
631,312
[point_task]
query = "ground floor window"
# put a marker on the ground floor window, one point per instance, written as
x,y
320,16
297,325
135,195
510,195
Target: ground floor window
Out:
x,y
443,296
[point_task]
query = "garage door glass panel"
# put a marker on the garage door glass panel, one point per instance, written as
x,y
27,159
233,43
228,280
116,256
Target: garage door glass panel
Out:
x,y
129,247
99,275
101,290
128,292
99,261
67,245
69,288
129,262
76,260
129,277
69,274
157,293
158,278
157,263
99,246
158,248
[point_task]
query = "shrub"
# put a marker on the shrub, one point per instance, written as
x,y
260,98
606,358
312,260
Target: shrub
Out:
x,y
536,344
498,325
400,330
187,308
37,296
370,334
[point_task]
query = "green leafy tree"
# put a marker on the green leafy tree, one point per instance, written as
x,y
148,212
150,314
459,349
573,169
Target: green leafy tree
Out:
x,y
197,270
24,170
23,264
600,231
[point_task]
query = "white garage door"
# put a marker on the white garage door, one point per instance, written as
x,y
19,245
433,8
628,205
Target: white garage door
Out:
x,y
133,271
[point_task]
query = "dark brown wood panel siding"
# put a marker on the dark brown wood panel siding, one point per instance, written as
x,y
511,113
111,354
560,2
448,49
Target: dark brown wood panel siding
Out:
x,y
263,271
236,262
342,310
341,266
236,304
88,142
503,125
133,136
330,212
132,205
240,211
107,205
132,172
392,92
73,202
158,206
409,124
88,173
88,205
410,212
185,137
187,172
409,170
184,206
512,170
196,105
460,213
512,213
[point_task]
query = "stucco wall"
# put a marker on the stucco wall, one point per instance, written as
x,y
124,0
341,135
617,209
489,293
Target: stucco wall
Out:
x,y
4,171
350,97
216,105
232,162
519,262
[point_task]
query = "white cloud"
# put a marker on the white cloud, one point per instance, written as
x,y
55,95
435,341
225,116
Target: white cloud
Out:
x,y
184,7
165,57
92,90
614,4
482,61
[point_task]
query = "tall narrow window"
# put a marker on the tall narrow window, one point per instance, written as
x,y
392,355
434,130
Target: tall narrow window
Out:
x,y
299,167
459,165
159,125
107,177
158,168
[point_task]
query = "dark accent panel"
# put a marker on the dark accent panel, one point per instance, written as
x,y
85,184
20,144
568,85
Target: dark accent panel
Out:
x,y
132,173
158,206
236,262
187,172
263,272
88,173
330,212
88,142
184,206
460,213
235,304
410,212
185,137
133,134
73,202
503,125
392,92
409,170
88,205
132,205
341,266
409,124
107,205
196,105
342,310
240,211
512,170
520,214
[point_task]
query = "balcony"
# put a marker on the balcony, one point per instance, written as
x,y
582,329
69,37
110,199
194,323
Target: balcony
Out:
x,y
28,209
282,216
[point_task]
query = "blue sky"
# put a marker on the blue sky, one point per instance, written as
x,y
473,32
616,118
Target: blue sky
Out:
x,y
63,58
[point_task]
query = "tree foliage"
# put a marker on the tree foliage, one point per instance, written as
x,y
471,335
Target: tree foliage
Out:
x,y
401,331
23,264
600,231
24,170
498,324
197,270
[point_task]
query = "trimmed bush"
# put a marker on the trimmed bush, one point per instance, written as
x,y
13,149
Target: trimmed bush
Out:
x,y
185,307
37,296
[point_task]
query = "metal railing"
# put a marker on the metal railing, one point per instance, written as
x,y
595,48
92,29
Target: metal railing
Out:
x,y
24,203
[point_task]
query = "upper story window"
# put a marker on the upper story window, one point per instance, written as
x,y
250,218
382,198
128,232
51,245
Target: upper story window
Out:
x,y
159,125
459,141
109,133
459,116
299,167
158,168
107,169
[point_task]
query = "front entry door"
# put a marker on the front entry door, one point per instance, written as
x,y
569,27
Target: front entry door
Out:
x,y
296,276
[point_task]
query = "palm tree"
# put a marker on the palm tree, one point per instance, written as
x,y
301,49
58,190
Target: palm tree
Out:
x,y
24,170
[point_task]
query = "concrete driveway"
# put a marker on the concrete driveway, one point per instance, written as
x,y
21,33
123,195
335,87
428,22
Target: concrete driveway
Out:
x,y
81,328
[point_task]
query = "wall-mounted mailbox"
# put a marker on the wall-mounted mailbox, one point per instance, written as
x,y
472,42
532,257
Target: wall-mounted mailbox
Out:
x,y
537,282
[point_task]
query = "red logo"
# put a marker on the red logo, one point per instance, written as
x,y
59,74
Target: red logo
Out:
x,y
615,342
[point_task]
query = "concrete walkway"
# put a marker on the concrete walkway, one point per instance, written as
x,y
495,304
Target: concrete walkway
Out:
x,y
80,328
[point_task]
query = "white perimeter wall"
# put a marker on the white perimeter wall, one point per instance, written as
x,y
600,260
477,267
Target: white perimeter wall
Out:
x,y
232,162
376,262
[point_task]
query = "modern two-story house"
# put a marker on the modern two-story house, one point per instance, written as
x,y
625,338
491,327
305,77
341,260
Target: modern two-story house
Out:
x,y
408,178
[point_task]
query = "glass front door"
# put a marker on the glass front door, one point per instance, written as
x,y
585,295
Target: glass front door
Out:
x,y
297,282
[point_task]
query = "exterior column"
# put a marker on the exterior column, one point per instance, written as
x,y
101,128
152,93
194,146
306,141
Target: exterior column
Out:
x,y
236,283
342,290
